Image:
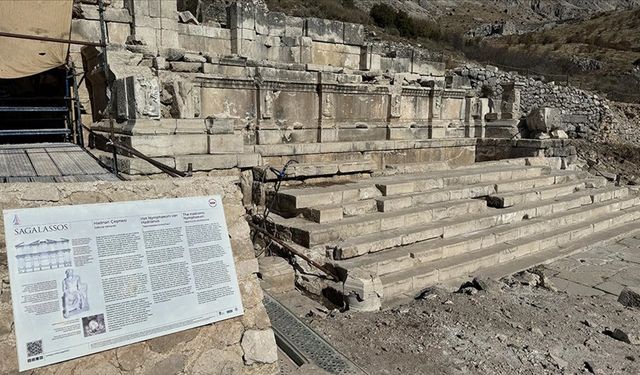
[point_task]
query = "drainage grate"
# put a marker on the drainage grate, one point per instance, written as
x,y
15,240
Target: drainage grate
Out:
x,y
299,340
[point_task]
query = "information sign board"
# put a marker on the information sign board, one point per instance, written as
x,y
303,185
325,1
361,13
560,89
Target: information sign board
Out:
x,y
88,278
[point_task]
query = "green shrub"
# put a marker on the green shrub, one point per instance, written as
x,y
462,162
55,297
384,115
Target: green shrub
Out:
x,y
383,15
391,20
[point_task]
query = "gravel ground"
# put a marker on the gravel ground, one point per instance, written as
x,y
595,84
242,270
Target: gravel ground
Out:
x,y
515,326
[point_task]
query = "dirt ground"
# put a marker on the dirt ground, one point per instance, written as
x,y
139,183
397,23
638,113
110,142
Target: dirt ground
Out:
x,y
510,328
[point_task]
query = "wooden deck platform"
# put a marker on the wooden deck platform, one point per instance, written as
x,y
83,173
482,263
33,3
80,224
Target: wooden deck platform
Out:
x,y
49,162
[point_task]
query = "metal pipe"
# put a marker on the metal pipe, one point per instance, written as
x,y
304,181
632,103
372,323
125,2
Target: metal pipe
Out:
x,y
103,40
77,113
48,39
296,252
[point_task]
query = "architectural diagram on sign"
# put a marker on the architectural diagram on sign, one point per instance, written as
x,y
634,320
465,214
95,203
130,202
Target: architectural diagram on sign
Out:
x,y
43,255
74,295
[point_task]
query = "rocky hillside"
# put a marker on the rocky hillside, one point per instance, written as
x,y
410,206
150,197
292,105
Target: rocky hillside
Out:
x,y
600,54
464,15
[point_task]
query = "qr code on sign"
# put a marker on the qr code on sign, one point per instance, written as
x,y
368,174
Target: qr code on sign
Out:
x,y
34,348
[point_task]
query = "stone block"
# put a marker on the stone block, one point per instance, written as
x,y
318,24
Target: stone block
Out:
x,y
160,63
189,126
172,54
137,97
140,8
186,99
261,23
277,274
259,346
220,125
154,9
306,50
169,145
294,26
353,34
630,297
143,21
168,9
269,137
186,67
241,15
544,119
277,23
429,68
363,290
226,143
169,24
206,162
169,38
194,58
323,214
249,160
324,30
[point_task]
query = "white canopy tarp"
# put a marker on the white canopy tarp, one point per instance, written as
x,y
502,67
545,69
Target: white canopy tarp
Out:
x,y
47,18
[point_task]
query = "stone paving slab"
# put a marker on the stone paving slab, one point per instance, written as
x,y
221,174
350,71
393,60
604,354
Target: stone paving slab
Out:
x,y
603,270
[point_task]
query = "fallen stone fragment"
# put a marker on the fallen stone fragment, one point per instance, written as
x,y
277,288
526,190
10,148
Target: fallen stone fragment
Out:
x,y
432,292
470,291
527,278
259,346
590,367
187,17
559,134
487,284
630,297
558,361
625,336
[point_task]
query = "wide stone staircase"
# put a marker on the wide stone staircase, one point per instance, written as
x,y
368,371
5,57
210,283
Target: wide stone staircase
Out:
x,y
422,227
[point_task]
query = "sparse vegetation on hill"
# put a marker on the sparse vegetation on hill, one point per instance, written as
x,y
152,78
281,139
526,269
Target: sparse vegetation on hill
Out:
x,y
597,54
342,10
399,22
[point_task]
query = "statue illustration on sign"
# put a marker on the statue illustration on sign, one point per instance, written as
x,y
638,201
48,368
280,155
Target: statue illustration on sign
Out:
x,y
74,295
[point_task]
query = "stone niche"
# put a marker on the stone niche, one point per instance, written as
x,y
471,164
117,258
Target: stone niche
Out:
x,y
242,345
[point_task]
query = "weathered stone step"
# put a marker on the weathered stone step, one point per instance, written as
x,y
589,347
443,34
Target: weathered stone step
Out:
x,y
410,168
600,238
406,184
440,166
464,265
293,200
519,197
331,213
394,202
447,228
311,234
405,257
316,169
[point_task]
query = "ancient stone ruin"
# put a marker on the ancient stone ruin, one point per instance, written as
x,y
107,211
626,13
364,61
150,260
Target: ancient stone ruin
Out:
x,y
405,175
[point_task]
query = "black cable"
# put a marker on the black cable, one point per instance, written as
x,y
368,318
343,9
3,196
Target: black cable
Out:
x,y
280,176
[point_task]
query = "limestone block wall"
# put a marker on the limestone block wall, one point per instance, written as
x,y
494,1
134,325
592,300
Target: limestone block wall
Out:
x,y
85,26
242,345
204,96
582,112
496,149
